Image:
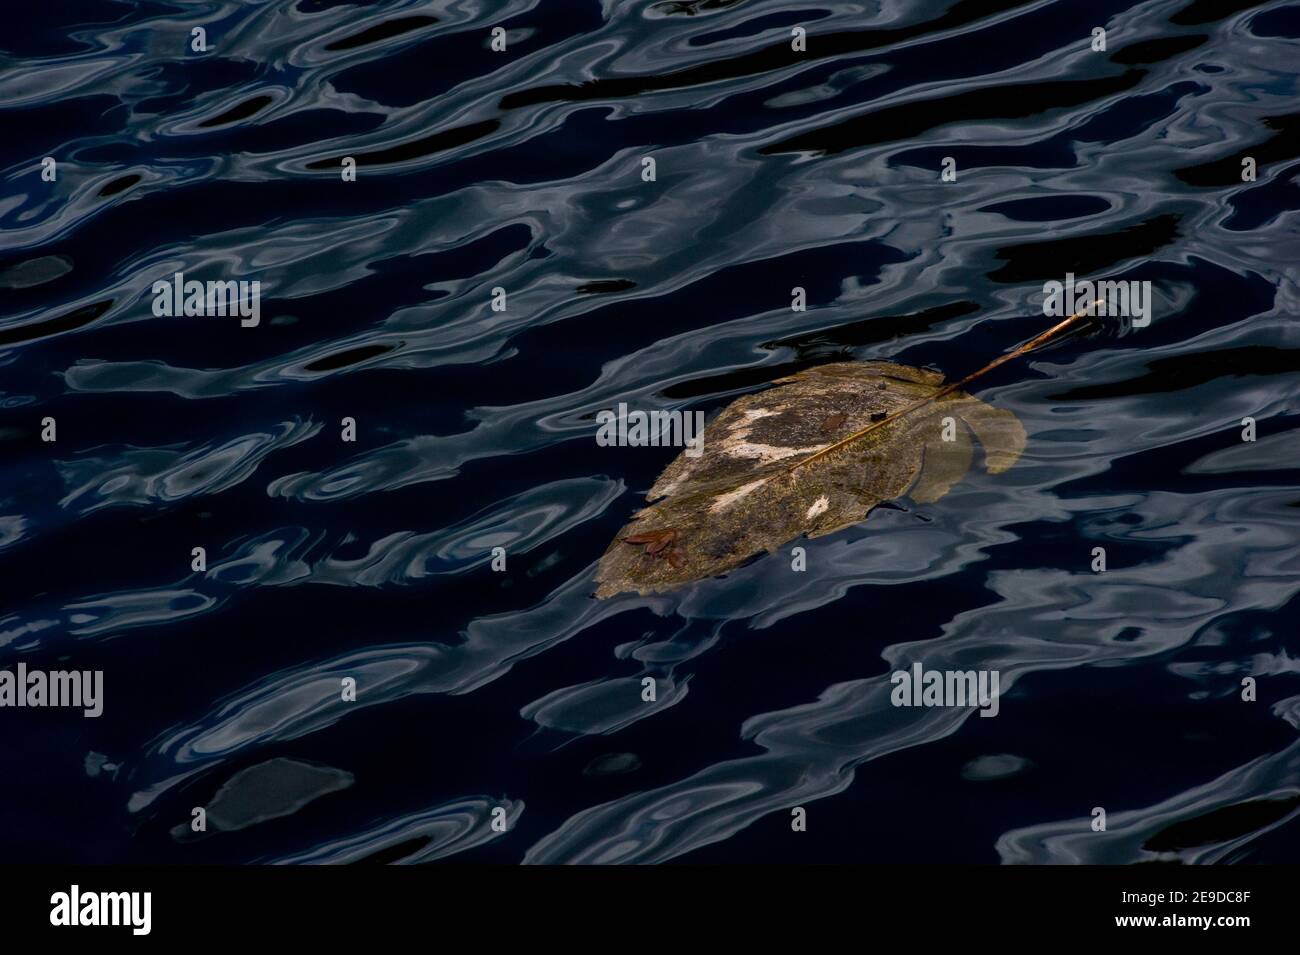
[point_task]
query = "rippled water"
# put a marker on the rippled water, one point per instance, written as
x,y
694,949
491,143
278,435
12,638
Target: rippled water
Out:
x,y
522,170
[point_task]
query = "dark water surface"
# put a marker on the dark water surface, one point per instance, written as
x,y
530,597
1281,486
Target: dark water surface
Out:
x,y
522,170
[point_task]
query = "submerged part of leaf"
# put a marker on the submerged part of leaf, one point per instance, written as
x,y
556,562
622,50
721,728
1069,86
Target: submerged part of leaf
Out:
x,y
741,496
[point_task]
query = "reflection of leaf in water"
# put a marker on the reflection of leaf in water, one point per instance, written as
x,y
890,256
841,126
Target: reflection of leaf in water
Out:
x,y
781,463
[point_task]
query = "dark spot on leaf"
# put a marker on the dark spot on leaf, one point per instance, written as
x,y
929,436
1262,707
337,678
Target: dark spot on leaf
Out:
x,y
654,541
834,422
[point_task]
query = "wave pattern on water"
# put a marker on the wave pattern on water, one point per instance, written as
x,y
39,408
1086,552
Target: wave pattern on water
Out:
x,y
521,170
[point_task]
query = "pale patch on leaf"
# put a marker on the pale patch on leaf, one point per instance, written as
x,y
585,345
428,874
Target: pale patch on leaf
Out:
x,y
748,492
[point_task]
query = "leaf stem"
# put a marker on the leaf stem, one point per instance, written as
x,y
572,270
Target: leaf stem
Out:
x,y
1035,342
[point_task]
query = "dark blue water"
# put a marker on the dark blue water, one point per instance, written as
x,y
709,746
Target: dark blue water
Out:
x,y
522,170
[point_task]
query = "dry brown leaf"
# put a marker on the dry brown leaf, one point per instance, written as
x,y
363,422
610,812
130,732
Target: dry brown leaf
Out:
x,y
774,467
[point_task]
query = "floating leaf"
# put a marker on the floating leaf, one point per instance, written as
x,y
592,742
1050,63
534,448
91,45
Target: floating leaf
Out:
x,y
810,456
772,468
